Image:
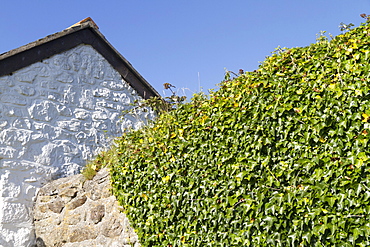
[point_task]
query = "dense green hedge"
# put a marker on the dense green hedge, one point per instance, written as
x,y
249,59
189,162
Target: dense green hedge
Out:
x,y
275,157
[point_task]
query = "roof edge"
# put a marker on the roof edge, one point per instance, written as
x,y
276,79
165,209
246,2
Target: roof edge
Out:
x,y
83,32
71,29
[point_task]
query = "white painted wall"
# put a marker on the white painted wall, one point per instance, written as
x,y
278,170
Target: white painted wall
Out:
x,y
55,115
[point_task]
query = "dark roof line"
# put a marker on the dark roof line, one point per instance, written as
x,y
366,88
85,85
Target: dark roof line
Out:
x,y
83,32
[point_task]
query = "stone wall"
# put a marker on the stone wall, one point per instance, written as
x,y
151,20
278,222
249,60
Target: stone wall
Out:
x,y
54,115
72,212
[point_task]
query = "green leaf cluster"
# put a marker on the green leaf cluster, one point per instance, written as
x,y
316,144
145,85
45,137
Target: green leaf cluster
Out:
x,y
274,157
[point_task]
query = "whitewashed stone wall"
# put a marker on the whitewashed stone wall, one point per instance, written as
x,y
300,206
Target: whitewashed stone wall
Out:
x,y
55,115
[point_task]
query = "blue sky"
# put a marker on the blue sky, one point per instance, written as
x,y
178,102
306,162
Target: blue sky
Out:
x,y
187,43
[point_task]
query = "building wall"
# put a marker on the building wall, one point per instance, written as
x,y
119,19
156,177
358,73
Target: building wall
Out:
x,y
55,115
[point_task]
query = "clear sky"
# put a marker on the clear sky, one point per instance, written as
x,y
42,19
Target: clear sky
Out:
x,y
187,43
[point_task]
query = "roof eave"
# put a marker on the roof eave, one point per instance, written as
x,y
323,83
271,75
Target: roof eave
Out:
x,y
84,33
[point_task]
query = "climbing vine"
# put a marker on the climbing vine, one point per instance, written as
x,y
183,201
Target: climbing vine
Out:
x,y
274,157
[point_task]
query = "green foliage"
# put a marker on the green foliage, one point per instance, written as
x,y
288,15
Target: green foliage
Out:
x,y
345,27
275,157
101,161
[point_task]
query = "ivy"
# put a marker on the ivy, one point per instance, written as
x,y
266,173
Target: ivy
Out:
x,y
274,157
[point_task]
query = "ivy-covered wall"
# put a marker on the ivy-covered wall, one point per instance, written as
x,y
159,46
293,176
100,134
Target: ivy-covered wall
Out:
x,y
274,157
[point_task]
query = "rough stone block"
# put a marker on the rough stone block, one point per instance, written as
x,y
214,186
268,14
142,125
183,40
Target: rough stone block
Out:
x,y
85,79
112,85
75,60
42,111
112,228
82,114
70,95
105,104
27,75
102,92
78,235
46,198
7,152
97,213
20,123
56,206
13,99
65,78
26,90
14,137
77,202
49,84
14,213
71,218
71,125
64,111
53,96
100,115
69,192
12,111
